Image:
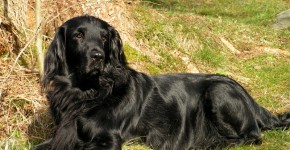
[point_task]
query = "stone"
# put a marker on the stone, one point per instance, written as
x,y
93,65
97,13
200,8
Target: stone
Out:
x,y
283,20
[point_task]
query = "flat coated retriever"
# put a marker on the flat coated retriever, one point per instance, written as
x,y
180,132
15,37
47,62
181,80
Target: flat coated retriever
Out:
x,y
98,102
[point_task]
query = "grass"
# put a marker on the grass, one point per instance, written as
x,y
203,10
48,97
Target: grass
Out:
x,y
16,141
271,76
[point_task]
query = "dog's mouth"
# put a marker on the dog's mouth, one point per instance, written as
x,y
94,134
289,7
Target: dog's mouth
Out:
x,y
95,68
89,72
94,72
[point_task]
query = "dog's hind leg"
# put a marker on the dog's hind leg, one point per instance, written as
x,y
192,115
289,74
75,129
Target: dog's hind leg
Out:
x,y
265,119
231,115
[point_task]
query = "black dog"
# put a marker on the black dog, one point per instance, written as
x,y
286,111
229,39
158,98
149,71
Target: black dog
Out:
x,y
98,102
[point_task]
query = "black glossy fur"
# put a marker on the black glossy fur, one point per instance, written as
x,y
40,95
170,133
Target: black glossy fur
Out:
x,y
98,102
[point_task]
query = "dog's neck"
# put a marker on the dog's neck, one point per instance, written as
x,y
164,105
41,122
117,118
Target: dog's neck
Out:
x,y
111,78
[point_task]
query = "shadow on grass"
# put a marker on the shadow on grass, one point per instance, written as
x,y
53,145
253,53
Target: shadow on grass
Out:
x,y
41,128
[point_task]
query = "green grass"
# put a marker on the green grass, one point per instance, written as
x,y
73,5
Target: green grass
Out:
x,y
161,37
15,141
256,12
133,54
271,76
210,57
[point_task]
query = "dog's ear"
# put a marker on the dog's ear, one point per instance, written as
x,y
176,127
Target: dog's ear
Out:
x,y
116,55
55,60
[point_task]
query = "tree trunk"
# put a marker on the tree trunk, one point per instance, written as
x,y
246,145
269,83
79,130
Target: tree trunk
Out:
x,y
39,37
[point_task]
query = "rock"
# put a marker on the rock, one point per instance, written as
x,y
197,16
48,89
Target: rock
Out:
x,y
192,69
283,20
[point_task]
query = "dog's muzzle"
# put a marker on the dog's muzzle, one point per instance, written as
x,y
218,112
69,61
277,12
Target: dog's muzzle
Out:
x,y
96,63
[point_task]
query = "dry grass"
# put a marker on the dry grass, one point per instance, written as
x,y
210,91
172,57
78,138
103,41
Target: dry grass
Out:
x,y
20,101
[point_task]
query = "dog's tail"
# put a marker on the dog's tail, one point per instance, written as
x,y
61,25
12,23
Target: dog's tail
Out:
x,y
266,120
269,121
284,121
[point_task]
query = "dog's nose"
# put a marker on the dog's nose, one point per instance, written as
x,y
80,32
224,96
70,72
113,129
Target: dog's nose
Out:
x,y
96,55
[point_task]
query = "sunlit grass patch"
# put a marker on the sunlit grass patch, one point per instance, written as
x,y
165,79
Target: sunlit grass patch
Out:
x,y
135,144
15,141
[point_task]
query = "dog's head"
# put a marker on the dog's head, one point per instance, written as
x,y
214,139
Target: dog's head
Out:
x,y
83,46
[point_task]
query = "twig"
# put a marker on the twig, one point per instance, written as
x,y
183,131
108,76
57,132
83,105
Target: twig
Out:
x,y
19,55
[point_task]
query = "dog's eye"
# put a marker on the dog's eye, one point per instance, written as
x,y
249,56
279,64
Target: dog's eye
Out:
x,y
79,35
